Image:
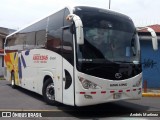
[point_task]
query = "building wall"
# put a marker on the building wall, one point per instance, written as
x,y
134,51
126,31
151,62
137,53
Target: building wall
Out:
x,y
150,64
1,68
1,43
3,33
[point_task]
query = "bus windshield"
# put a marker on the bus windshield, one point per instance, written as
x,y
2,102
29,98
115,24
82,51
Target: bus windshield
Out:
x,y
111,44
107,38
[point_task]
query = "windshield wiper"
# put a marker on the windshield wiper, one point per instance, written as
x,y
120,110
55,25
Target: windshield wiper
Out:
x,y
134,62
94,61
122,62
93,68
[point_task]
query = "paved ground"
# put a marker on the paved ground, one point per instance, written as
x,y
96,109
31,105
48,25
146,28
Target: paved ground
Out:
x,y
22,100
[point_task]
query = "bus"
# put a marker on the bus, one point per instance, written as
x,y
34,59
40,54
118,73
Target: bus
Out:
x,y
77,56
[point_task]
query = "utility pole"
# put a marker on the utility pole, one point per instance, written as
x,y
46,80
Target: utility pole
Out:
x,y
109,4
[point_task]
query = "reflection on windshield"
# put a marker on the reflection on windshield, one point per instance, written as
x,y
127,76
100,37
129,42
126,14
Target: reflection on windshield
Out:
x,y
108,44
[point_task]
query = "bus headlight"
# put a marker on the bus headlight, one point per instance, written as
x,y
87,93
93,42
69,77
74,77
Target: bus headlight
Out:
x,y
88,84
138,83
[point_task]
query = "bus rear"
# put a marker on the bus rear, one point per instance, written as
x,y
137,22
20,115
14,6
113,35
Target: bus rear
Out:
x,y
107,64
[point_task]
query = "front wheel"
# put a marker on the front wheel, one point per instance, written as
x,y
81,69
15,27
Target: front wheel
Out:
x,y
49,92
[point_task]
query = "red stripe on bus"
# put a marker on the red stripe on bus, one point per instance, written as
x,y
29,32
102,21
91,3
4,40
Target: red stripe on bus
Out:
x,y
112,91
127,90
103,92
134,89
120,90
93,92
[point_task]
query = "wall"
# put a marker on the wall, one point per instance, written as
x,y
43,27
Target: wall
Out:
x,y
1,68
150,64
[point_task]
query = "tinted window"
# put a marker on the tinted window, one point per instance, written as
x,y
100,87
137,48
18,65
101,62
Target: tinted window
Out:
x,y
40,38
35,35
67,40
54,35
30,37
118,21
15,42
109,44
10,41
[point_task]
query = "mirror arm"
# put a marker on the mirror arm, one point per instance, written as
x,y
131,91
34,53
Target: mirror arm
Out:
x,y
154,37
79,27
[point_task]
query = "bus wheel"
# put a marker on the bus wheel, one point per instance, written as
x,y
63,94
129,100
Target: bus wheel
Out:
x,y
13,80
49,92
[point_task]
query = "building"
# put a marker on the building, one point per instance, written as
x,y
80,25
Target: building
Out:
x,y
150,59
3,33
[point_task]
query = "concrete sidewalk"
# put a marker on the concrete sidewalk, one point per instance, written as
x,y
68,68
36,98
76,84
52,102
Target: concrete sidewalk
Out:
x,y
151,93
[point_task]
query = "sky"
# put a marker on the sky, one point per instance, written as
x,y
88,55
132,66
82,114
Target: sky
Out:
x,y
15,14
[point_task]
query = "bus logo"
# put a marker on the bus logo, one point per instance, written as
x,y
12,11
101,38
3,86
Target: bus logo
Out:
x,y
118,75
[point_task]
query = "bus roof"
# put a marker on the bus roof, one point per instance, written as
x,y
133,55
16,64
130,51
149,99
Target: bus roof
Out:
x,y
71,11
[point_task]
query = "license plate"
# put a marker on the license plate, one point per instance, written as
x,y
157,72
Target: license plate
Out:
x,y
117,95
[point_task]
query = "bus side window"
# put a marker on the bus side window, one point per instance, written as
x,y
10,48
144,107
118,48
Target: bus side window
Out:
x,y
40,38
15,42
10,41
29,42
40,33
67,49
34,36
54,34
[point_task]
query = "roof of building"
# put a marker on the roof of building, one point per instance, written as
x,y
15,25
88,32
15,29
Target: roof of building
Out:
x,y
5,31
155,27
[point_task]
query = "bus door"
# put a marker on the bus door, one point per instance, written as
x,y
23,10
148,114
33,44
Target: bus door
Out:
x,y
68,64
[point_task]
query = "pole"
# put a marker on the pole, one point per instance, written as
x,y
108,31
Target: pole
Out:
x,y
109,4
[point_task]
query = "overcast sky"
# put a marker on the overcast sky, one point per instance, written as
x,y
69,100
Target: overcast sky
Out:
x,y
18,13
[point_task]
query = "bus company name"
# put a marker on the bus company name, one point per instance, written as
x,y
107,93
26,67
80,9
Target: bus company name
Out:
x,y
40,57
121,84
37,58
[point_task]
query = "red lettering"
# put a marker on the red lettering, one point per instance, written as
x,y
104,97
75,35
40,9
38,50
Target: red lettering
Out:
x,y
40,57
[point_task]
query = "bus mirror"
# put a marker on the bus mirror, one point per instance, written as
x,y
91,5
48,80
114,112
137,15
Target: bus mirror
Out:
x,y
155,43
154,38
79,35
78,28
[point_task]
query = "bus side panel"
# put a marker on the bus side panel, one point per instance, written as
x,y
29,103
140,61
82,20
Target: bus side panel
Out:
x,y
11,65
36,65
42,72
68,83
58,78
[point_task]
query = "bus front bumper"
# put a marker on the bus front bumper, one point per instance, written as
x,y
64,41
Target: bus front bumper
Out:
x,y
98,97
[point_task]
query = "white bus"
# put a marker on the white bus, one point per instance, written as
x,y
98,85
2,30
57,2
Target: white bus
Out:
x,y
80,56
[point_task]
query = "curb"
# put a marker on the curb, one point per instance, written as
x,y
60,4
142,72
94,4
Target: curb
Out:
x,y
151,94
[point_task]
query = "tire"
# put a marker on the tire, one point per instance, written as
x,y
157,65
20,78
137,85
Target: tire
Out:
x,y
49,92
13,80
